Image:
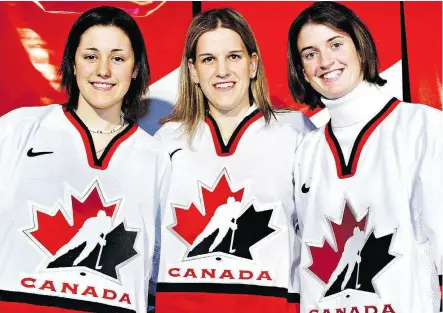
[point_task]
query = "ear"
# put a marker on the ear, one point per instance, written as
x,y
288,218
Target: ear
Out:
x,y
135,73
253,65
193,71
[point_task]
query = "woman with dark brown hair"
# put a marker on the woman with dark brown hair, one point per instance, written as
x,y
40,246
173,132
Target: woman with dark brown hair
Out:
x,y
368,185
81,185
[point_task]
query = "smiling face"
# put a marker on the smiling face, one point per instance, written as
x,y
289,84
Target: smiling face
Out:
x,y
104,67
224,69
330,60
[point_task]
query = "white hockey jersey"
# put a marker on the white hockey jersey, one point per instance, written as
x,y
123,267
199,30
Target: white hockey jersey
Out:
x,y
371,218
77,233
228,240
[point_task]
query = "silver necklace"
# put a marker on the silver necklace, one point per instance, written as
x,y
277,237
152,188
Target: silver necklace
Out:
x,y
111,131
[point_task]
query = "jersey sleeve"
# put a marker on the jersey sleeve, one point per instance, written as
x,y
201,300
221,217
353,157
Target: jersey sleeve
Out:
x,y
162,183
297,120
427,195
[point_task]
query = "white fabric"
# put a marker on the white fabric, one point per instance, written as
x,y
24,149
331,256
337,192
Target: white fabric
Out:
x,y
262,165
397,190
45,187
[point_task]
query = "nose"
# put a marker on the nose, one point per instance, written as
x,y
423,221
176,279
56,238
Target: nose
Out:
x,y
326,61
222,68
103,68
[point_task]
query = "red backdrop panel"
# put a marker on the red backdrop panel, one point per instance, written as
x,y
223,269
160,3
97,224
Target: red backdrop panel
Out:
x,y
34,35
423,36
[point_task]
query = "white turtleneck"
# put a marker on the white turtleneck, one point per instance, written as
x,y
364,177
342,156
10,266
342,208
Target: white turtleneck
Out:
x,y
350,113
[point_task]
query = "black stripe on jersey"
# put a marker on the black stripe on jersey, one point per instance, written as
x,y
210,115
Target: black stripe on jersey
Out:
x,y
91,149
440,279
348,170
230,289
229,149
59,302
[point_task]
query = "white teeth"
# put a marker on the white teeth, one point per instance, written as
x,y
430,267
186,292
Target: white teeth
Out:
x,y
224,85
101,85
332,74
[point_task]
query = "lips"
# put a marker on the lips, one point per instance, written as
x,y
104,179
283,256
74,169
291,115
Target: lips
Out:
x,y
102,86
332,75
224,85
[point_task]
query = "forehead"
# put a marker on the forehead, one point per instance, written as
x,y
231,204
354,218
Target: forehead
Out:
x,y
317,34
218,40
104,37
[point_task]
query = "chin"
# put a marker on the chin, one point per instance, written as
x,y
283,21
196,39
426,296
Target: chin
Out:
x,y
102,105
224,106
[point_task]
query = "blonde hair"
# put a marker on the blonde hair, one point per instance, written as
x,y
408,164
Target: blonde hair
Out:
x,y
192,104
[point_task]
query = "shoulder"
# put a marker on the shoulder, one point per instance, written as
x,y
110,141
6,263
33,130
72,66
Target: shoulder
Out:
x,y
26,113
295,119
421,119
25,117
144,141
149,148
280,135
312,143
169,131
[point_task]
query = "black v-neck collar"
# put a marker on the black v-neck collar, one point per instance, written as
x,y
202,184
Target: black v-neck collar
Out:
x,y
348,170
102,162
228,149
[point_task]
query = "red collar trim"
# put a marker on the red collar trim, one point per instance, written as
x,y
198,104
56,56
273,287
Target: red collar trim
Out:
x,y
229,149
102,162
348,170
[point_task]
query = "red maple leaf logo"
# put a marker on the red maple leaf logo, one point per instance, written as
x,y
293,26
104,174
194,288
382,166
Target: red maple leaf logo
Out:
x,y
325,258
190,222
54,231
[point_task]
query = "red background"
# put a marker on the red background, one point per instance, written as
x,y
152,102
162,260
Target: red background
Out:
x,y
34,34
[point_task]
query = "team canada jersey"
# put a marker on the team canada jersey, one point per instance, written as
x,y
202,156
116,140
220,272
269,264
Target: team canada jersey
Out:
x,y
77,233
228,240
372,226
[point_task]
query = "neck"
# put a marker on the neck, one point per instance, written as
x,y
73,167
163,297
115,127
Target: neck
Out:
x,y
96,118
227,120
359,105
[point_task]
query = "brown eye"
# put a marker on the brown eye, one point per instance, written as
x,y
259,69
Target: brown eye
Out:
x,y
208,60
118,59
90,57
310,55
337,45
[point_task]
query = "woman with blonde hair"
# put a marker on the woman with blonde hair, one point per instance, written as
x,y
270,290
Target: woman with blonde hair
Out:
x,y
228,240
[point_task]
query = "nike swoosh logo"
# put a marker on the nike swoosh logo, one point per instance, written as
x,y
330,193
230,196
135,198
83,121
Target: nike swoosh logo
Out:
x,y
174,152
32,154
305,189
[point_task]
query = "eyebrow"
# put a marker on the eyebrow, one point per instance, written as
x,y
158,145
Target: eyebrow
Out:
x,y
330,39
113,50
210,54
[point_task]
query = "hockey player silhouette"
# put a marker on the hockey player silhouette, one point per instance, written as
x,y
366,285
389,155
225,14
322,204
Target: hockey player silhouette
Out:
x,y
90,233
221,220
349,257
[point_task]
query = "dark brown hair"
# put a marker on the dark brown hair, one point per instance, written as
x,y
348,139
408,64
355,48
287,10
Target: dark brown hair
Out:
x,y
133,107
339,18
